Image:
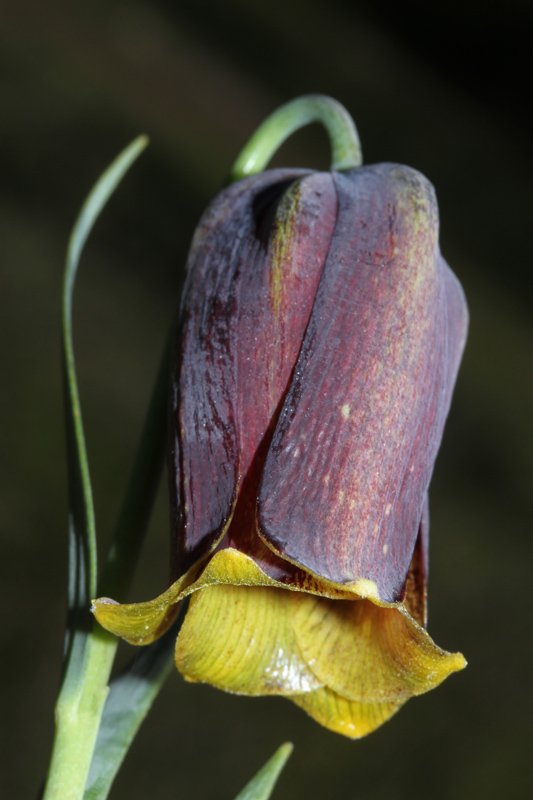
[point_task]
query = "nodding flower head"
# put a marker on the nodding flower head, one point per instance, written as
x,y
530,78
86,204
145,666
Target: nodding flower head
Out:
x,y
319,340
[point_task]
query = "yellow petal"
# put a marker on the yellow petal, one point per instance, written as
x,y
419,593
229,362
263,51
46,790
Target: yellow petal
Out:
x,y
347,717
369,654
349,662
142,623
240,639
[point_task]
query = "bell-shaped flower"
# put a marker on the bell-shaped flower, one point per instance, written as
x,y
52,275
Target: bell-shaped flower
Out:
x,y
319,341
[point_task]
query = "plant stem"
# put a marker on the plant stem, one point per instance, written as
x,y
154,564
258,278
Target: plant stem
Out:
x,y
77,721
270,135
79,708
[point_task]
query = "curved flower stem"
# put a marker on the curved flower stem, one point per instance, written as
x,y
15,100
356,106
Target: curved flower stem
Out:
x,y
270,135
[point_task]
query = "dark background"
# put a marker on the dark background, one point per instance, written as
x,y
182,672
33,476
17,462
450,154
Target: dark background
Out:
x,y
439,86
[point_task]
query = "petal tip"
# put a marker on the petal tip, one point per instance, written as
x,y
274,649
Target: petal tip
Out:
x,y
458,662
101,601
440,670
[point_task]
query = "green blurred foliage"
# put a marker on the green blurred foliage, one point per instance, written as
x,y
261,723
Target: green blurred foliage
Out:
x,y
438,86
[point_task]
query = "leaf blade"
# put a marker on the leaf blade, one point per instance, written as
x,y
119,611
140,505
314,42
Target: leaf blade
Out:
x,y
82,567
262,784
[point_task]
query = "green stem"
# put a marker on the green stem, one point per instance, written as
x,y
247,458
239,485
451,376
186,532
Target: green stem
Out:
x,y
78,712
343,136
77,719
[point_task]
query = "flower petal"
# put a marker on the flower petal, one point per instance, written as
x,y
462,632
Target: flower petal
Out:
x,y
348,662
241,640
347,717
140,623
254,267
367,653
352,455
204,451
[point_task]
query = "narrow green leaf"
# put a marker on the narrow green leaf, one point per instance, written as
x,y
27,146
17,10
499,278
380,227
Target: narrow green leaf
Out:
x,y
82,533
131,695
262,784
88,653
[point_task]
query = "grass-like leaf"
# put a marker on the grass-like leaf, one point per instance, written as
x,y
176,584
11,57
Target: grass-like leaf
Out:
x,y
81,526
262,784
88,653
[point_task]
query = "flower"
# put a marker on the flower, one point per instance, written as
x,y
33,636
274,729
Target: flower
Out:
x,y
320,337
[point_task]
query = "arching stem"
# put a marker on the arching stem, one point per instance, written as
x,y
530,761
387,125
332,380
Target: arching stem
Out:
x,y
270,135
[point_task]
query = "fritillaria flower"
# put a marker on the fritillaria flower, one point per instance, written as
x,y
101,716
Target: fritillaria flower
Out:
x,y
319,341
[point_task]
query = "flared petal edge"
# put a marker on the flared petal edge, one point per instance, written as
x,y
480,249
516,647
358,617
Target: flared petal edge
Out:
x,y
350,662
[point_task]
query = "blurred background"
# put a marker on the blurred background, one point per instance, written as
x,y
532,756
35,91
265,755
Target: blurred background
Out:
x,y
439,86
